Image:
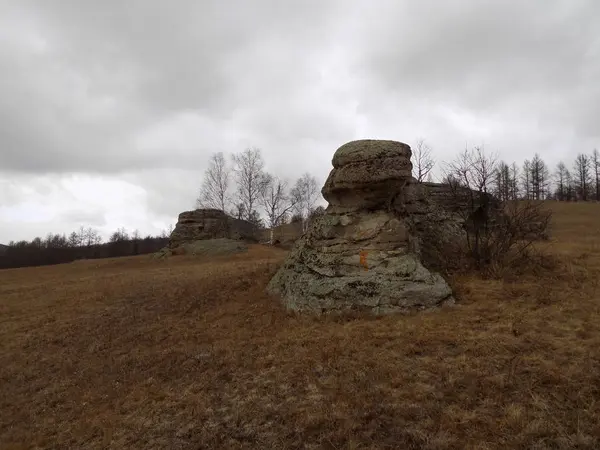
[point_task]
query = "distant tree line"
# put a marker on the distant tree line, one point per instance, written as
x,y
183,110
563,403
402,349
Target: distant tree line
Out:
x,y
535,180
85,243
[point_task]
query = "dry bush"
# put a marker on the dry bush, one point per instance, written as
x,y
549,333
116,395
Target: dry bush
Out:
x,y
504,241
495,234
507,235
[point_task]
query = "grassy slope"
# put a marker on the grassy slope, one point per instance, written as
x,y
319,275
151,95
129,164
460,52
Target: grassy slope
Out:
x,y
190,353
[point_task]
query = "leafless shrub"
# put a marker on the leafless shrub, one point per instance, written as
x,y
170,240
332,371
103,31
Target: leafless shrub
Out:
x,y
495,233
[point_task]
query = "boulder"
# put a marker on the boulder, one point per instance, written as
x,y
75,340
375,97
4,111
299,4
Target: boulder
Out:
x,y
204,224
364,253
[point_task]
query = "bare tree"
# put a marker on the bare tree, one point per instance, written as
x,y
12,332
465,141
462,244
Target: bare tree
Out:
x,y
457,172
502,181
526,179
484,167
255,219
423,161
571,190
539,178
119,236
167,233
94,237
86,237
276,202
74,239
582,176
97,238
496,232
214,192
135,238
81,233
239,211
471,176
514,181
250,178
560,177
305,194
596,171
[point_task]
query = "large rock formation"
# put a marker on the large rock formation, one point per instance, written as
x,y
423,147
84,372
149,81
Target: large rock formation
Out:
x,y
364,253
204,224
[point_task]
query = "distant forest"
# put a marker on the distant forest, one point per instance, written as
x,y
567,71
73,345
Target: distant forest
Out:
x,y
85,243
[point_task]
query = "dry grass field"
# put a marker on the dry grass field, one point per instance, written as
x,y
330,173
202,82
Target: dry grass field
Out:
x,y
190,353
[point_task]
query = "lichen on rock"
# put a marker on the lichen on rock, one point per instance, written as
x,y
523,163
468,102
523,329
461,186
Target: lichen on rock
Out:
x,y
364,252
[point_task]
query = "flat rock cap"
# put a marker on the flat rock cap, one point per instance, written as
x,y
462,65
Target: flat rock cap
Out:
x,y
369,149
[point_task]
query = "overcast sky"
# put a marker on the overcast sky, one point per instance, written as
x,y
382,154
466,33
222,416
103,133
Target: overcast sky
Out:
x,y
109,109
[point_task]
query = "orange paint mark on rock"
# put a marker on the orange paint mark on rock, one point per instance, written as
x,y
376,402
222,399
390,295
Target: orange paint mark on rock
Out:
x,y
363,259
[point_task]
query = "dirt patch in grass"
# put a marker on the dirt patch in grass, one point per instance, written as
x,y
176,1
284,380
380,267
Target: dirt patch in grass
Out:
x,y
191,353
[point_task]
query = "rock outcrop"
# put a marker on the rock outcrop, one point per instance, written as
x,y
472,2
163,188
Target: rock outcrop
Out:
x,y
206,247
455,201
204,224
364,253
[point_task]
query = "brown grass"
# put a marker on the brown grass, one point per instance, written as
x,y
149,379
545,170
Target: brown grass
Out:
x,y
190,353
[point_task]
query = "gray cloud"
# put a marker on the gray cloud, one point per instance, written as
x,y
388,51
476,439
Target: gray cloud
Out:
x,y
93,78
141,92
87,218
508,62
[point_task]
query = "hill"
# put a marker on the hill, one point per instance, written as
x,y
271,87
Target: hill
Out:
x,y
191,353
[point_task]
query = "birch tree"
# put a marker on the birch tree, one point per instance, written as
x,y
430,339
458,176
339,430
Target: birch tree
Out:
x,y
423,161
250,179
305,194
214,192
276,202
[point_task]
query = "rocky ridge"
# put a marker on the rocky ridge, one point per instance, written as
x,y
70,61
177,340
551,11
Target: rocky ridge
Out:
x,y
208,232
202,224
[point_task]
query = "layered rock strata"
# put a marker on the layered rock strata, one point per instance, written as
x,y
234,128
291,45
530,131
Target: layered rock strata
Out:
x,y
204,224
364,253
